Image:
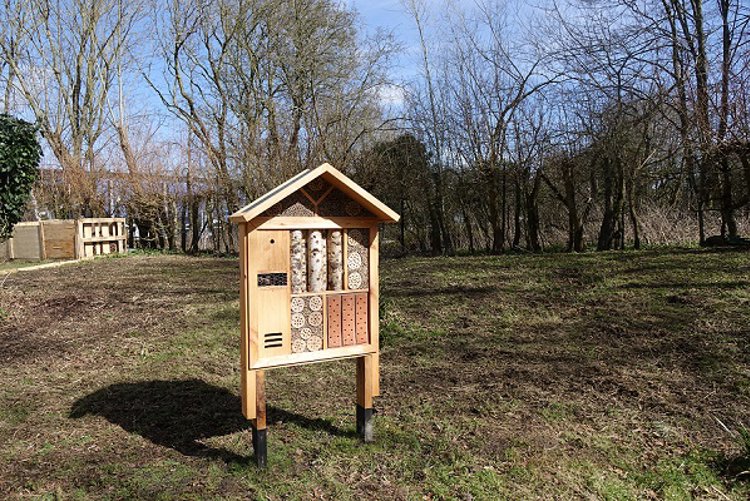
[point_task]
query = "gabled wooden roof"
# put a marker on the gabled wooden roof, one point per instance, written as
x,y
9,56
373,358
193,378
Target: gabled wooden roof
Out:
x,y
381,211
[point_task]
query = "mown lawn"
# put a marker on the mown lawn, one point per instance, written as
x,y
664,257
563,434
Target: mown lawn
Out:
x,y
615,376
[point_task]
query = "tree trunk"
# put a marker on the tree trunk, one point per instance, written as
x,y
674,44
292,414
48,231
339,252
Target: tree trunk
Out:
x,y
517,213
727,204
634,217
299,262
495,217
335,261
701,222
504,210
402,227
575,234
446,241
532,216
469,229
183,227
436,244
611,232
316,261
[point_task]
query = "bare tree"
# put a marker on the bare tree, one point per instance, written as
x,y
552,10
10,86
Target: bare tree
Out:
x,y
64,71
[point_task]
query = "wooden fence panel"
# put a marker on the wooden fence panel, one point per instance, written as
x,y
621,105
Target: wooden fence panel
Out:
x,y
66,239
26,241
59,239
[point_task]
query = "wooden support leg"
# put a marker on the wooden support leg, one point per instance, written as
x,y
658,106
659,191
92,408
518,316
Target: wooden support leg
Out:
x,y
260,452
364,398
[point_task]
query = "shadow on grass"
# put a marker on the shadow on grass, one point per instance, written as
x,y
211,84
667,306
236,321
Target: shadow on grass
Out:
x,y
179,414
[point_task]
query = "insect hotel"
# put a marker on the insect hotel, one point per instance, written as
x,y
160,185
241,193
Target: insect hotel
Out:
x,y
309,286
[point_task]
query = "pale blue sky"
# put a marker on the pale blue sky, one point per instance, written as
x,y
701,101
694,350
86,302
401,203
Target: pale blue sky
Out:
x,y
391,16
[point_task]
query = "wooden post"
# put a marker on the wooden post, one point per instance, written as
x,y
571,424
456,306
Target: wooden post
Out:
x,y
374,282
364,398
260,450
80,254
42,250
247,377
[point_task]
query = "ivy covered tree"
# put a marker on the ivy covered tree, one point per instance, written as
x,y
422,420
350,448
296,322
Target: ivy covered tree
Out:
x,y
20,154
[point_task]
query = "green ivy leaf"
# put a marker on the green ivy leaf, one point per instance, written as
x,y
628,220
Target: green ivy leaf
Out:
x,y
20,154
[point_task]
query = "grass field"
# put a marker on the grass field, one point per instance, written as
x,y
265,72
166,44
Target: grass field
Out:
x,y
614,376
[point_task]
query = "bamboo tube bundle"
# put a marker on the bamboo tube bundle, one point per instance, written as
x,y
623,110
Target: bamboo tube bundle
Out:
x,y
316,261
335,261
299,262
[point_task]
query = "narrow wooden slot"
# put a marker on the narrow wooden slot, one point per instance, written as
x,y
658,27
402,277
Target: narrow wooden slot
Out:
x,y
273,340
348,324
334,321
361,318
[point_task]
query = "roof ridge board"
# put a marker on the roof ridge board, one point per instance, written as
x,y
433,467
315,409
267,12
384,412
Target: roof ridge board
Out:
x,y
273,192
340,181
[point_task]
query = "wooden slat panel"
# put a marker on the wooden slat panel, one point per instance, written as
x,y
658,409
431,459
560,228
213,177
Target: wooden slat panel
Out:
x,y
59,239
334,321
348,324
268,307
273,319
270,250
361,318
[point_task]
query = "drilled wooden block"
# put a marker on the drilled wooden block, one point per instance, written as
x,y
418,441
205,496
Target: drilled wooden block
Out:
x,y
348,320
334,321
361,318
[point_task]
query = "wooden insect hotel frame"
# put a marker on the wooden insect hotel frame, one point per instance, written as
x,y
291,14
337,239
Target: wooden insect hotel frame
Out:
x,y
309,286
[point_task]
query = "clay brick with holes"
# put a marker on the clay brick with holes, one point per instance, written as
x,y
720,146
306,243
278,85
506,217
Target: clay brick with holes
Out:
x,y
348,324
361,318
334,321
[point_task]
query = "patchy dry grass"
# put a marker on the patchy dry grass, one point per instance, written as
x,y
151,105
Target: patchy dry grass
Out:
x,y
9,266
614,376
